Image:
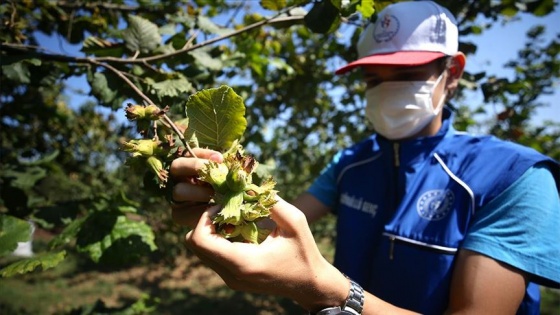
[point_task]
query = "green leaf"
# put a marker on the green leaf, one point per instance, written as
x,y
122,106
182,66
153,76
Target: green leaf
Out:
x,y
208,26
141,35
26,179
172,87
206,60
323,18
366,8
216,116
102,48
18,72
273,5
104,234
100,88
68,234
45,261
12,231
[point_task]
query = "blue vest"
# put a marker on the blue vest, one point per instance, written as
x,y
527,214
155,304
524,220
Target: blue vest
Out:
x,y
404,209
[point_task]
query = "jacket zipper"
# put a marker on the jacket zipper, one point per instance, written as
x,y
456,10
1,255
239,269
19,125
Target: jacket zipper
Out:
x,y
434,248
396,200
396,155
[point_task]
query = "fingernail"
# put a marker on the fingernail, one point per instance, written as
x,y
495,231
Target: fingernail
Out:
x,y
216,157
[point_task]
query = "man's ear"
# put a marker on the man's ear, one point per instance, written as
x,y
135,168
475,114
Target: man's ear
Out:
x,y
457,65
455,71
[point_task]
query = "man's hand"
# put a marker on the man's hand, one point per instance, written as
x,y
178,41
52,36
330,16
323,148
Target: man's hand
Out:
x,y
288,263
190,196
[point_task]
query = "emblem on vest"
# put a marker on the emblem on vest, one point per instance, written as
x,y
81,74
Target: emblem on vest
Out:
x,y
434,205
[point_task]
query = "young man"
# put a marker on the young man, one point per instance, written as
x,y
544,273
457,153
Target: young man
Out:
x,y
429,219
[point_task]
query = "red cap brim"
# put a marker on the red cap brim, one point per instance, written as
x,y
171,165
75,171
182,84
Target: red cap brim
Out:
x,y
400,58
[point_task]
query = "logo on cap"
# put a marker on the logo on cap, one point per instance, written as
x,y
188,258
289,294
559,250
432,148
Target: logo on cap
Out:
x,y
434,205
386,28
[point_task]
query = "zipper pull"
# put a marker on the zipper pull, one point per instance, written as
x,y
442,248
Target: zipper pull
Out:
x,y
396,153
391,247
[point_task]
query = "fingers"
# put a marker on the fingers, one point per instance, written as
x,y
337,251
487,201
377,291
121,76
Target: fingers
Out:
x,y
206,242
186,167
188,213
189,192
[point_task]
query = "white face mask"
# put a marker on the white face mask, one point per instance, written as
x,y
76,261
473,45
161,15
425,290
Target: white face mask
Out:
x,y
400,109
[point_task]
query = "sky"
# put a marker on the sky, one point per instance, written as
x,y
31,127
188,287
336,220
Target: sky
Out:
x,y
496,46
500,44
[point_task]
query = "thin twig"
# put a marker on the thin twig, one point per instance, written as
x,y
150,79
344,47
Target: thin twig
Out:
x,y
148,100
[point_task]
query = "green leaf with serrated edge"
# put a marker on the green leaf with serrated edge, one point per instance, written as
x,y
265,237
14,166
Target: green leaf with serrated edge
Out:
x,y
171,88
141,35
12,231
208,26
45,261
217,116
274,5
102,230
205,59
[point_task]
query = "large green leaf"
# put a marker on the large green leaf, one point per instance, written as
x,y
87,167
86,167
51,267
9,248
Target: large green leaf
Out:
x,y
216,116
141,35
12,231
45,261
106,234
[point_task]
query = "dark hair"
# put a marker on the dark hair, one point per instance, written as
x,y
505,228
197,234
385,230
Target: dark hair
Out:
x,y
444,62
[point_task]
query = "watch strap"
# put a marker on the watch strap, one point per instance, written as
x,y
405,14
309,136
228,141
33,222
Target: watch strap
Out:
x,y
355,300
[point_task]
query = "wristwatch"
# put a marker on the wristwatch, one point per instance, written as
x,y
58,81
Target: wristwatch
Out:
x,y
353,305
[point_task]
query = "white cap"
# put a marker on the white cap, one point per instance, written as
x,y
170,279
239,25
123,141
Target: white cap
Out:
x,y
408,34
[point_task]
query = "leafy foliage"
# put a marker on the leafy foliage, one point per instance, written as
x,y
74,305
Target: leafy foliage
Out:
x,y
60,162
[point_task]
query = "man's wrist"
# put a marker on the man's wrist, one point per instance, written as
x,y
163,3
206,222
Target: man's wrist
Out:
x,y
352,304
329,288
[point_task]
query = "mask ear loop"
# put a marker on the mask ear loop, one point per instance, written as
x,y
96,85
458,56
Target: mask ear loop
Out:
x,y
439,106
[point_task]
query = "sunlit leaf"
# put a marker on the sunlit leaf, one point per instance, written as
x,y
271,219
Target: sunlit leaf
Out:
x,y
273,5
217,116
366,8
45,261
